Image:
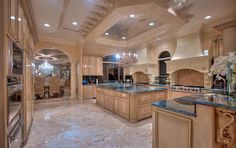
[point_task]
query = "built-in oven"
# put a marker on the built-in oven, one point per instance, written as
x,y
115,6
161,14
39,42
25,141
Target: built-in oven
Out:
x,y
14,110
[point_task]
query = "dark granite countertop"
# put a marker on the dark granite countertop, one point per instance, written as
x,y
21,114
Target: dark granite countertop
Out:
x,y
129,88
175,106
187,105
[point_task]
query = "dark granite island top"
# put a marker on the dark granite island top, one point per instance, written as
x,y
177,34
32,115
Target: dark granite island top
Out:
x,y
187,105
129,88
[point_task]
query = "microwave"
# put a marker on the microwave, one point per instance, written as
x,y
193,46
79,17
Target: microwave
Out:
x,y
15,66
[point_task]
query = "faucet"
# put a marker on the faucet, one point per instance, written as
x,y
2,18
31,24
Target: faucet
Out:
x,y
224,81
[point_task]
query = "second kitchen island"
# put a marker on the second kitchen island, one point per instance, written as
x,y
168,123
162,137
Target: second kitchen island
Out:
x,y
129,101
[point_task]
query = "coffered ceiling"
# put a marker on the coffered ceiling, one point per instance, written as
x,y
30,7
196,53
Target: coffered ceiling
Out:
x,y
94,18
53,56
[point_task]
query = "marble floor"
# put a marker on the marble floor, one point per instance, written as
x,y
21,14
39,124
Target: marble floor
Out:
x,y
83,124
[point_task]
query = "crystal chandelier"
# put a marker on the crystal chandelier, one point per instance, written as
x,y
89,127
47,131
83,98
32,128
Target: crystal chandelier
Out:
x,y
45,67
127,58
178,4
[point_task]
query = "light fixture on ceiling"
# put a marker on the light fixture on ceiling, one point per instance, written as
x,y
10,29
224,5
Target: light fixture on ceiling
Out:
x,y
127,58
131,15
75,23
45,67
123,38
151,24
46,25
208,17
106,33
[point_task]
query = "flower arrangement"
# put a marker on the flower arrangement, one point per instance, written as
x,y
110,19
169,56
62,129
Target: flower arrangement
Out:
x,y
225,66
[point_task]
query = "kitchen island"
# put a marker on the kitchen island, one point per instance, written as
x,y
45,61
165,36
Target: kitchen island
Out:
x,y
129,101
198,121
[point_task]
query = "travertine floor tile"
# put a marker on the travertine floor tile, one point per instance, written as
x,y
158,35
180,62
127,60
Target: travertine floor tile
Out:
x,y
83,124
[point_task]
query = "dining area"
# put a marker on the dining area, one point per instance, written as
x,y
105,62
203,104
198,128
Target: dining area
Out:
x,y
50,87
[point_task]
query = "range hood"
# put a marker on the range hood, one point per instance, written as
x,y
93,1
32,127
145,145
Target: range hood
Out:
x,y
188,46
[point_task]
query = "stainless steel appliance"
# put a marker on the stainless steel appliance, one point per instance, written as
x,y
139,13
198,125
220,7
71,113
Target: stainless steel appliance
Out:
x,y
14,104
190,89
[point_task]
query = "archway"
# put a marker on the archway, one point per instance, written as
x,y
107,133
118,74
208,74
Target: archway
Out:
x,y
164,56
53,72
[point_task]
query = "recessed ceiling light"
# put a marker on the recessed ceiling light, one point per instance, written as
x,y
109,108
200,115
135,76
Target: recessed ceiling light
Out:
x,y
75,23
131,15
208,17
46,25
158,38
151,24
123,38
106,33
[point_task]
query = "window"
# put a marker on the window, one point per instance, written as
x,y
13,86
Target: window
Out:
x,y
164,56
112,69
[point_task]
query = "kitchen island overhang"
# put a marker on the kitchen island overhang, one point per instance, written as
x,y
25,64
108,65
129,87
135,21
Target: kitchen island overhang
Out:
x,y
197,121
133,103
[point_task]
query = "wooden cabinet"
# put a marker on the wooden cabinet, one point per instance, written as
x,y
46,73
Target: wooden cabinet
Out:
x,y
124,107
116,105
108,102
131,106
100,98
88,91
92,65
12,16
171,130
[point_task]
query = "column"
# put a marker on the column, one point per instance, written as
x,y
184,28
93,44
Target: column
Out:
x,y
73,80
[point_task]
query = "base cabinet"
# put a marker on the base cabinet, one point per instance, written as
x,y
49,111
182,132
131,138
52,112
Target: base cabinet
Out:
x,y
133,107
171,131
116,104
124,108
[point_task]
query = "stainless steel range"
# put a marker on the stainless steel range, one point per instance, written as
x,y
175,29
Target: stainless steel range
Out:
x,y
190,89
14,104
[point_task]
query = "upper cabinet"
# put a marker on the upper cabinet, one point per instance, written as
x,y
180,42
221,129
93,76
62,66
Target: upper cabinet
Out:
x,y
12,17
18,29
92,65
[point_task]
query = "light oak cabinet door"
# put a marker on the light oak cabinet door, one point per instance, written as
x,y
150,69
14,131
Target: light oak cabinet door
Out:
x,y
99,62
86,65
100,98
171,131
20,21
88,91
124,107
116,104
92,65
12,17
108,102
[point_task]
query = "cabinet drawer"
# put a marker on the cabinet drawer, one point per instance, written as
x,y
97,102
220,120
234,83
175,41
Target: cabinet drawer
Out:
x,y
145,98
108,102
160,95
144,111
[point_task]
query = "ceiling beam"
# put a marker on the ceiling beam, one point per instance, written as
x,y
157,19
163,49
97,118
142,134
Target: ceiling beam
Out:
x,y
63,13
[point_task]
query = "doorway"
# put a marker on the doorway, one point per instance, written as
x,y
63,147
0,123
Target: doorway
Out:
x,y
52,74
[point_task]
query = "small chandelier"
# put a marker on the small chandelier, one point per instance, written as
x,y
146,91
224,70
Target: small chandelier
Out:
x,y
127,58
45,67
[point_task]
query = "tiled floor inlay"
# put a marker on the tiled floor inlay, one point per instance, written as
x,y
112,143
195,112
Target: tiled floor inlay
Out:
x,y
83,124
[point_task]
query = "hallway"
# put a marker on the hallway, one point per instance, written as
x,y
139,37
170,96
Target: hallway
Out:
x,y
77,124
